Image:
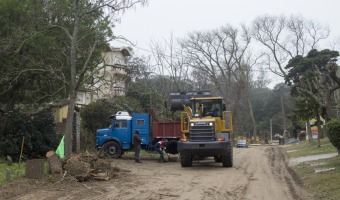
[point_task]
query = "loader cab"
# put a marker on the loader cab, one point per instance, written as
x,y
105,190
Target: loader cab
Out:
x,y
203,107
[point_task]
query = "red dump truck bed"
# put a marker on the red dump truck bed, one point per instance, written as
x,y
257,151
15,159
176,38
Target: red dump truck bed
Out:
x,y
166,130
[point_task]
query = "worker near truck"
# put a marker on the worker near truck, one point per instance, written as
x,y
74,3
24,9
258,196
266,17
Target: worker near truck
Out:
x,y
137,145
159,147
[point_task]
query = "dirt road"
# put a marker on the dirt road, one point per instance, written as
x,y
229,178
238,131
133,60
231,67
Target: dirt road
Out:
x,y
259,172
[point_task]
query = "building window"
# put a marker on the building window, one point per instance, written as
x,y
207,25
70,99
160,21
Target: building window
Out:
x,y
140,122
118,90
118,60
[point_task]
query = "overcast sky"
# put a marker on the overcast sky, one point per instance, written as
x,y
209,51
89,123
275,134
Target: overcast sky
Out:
x,y
160,18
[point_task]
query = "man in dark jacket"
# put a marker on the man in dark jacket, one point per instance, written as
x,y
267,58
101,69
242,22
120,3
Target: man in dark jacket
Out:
x,y
137,145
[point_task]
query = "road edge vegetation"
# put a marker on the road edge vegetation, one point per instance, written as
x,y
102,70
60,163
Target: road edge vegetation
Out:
x,y
320,177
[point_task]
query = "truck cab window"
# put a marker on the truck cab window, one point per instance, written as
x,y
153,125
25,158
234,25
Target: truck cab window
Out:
x,y
120,124
116,124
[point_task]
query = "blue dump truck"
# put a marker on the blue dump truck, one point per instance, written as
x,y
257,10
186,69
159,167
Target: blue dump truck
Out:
x,y
113,141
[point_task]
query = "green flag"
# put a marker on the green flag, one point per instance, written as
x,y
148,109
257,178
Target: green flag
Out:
x,y
60,149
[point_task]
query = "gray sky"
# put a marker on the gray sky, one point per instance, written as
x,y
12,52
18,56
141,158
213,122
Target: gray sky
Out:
x,y
162,17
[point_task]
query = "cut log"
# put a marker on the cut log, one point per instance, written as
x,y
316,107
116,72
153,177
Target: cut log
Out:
x,y
55,165
35,168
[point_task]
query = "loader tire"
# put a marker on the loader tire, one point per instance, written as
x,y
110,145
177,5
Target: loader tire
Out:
x,y
186,161
171,147
227,160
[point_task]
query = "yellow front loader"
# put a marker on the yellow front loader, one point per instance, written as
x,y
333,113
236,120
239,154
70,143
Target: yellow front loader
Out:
x,y
206,126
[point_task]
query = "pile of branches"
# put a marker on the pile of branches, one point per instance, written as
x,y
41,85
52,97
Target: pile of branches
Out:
x,y
84,168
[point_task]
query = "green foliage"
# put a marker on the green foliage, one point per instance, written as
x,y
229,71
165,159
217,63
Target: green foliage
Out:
x,y
38,132
309,85
333,132
266,105
96,115
152,96
139,90
300,65
35,47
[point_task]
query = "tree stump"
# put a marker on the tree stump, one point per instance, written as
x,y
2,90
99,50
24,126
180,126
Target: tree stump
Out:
x,y
55,165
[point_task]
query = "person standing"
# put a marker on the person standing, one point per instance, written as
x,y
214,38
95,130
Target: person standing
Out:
x,y
160,145
137,145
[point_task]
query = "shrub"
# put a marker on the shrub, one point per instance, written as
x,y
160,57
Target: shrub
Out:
x,y
333,133
38,131
96,115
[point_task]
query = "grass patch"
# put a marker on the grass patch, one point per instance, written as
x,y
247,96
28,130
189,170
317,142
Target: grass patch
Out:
x,y
306,148
142,154
14,172
324,185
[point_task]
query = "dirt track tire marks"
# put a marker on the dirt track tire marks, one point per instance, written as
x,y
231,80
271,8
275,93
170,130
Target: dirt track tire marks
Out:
x,y
258,172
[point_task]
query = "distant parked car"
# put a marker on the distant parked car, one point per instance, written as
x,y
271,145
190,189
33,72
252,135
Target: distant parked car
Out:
x,y
242,144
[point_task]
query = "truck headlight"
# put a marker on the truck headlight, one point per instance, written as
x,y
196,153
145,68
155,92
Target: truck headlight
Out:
x,y
210,124
192,124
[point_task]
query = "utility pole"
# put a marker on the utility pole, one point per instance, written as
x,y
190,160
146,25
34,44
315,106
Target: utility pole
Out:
x,y
283,113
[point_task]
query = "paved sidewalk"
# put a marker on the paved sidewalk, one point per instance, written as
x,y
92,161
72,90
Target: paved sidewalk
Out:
x,y
295,161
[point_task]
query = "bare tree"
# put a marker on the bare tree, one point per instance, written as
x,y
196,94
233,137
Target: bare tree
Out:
x,y
169,61
224,57
262,78
284,38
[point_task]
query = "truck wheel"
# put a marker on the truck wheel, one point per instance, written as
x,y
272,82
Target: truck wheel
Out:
x,y
186,161
217,158
227,160
112,149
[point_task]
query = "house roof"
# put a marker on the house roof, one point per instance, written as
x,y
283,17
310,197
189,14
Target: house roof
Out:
x,y
126,51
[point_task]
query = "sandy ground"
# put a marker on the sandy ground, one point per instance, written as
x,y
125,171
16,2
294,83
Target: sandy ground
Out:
x,y
259,172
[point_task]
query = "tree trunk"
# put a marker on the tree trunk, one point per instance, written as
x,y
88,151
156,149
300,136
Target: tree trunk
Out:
x,y
318,123
329,110
69,128
73,83
283,112
309,131
78,131
252,119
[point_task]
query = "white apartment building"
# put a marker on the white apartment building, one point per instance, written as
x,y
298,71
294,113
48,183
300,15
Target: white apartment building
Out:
x,y
112,76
